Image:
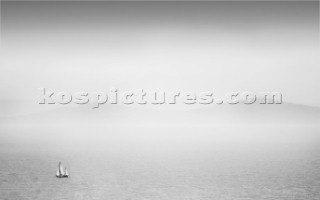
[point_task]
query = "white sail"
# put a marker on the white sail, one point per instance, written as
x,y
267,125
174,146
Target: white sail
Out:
x,y
66,172
58,173
61,169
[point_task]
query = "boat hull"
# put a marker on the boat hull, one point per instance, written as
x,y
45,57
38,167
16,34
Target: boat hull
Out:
x,y
62,176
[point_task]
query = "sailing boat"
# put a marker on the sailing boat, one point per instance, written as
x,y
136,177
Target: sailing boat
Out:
x,y
61,173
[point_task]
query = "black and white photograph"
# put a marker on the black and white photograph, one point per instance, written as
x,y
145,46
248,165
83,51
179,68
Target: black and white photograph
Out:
x,y
160,100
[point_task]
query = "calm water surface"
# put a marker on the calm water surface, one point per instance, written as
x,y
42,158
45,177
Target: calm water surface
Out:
x,y
166,167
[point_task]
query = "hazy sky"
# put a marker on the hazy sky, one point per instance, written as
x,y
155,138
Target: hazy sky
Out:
x,y
171,46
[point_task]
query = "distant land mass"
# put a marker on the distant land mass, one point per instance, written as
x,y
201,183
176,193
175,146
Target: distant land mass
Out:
x,y
286,113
